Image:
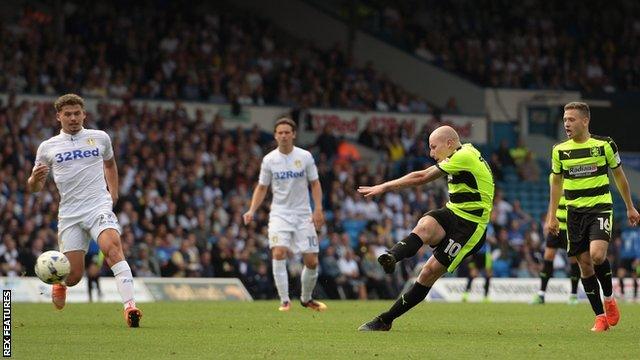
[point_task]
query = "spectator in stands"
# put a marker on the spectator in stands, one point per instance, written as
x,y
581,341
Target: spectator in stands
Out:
x,y
529,169
504,155
519,153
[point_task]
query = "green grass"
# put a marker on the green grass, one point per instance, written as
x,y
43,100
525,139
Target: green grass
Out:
x,y
230,330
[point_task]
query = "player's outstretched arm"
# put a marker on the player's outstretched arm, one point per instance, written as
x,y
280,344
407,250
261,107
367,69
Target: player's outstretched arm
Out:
x,y
258,196
38,177
415,178
623,187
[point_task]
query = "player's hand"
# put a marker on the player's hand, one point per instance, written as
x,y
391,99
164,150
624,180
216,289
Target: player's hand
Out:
x,y
247,217
318,218
372,190
552,226
40,172
633,216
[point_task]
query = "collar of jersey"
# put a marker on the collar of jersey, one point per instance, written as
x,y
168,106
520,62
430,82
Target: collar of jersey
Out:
x,y
459,147
69,136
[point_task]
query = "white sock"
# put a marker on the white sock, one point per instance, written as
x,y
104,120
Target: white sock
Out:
x,y
541,293
281,278
308,279
124,282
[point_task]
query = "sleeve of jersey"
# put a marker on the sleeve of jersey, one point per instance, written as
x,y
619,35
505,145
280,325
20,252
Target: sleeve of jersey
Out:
x,y
612,154
265,174
452,165
41,156
556,165
108,148
312,170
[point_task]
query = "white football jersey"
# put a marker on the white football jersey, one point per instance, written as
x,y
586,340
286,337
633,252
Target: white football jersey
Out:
x,y
77,165
289,176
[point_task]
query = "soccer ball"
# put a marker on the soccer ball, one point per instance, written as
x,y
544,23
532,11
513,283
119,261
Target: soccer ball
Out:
x,y
52,267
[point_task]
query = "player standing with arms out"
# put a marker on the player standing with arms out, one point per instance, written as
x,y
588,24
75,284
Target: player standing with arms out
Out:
x,y
454,232
555,242
580,167
85,173
289,170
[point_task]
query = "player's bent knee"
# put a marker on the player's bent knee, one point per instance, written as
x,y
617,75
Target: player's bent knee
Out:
x,y
598,258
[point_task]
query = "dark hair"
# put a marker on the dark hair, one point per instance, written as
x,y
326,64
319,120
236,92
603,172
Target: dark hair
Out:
x,y
287,121
583,108
68,99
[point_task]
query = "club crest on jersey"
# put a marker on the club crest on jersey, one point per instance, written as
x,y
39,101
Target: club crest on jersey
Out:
x,y
91,141
297,164
595,151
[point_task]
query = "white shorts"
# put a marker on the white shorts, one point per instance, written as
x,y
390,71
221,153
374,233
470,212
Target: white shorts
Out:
x,y
295,232
76,233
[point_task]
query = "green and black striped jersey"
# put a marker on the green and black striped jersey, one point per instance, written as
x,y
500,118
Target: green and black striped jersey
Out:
x,y
585,169
561,213
471,185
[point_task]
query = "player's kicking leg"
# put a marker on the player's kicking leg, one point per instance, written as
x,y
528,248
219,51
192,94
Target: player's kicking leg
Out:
x,y
431,271
59,291
111,246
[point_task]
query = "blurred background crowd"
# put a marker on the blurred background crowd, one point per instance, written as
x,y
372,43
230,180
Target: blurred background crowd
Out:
x,y
186,180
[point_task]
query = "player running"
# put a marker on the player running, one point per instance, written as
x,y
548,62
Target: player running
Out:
x,y
85,173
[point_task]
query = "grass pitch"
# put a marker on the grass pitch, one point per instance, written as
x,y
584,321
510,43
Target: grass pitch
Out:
x,y
256,330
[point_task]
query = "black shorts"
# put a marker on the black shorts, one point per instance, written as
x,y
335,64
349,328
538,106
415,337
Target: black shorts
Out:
x,y
557,241
582,228
452,250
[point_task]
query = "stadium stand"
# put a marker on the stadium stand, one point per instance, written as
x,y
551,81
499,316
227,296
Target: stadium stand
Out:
x,y
185,180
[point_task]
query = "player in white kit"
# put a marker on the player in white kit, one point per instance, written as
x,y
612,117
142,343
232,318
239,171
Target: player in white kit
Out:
x,y
85,173
289,170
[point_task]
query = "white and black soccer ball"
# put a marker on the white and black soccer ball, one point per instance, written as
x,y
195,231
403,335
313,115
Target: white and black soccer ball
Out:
x,y
52,267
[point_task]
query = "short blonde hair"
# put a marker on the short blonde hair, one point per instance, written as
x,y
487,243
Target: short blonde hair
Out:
x,y
583,108
68,99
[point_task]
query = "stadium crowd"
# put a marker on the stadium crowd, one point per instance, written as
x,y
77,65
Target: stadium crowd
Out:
x,y
185,182
589,46
203,53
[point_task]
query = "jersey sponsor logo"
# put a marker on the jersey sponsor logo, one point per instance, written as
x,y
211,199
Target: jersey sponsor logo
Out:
x,y
284,175
76,154
583,170
595,151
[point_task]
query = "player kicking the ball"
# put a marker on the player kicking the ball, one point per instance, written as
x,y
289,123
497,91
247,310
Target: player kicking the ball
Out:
x,y
454,232
85,173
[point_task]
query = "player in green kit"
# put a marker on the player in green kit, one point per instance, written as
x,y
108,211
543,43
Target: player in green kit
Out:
x,y
555,242
454,232
580,166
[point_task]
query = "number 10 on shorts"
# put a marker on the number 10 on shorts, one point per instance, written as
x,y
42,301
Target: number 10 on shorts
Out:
x,y
453,248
